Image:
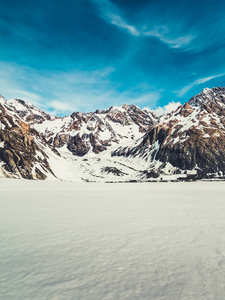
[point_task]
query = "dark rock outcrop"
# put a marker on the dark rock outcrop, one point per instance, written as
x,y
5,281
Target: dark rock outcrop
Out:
x,y
20,155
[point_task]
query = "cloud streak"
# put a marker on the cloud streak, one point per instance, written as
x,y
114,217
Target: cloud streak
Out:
x,y
173,42
119,22
112,15
62,93
199,81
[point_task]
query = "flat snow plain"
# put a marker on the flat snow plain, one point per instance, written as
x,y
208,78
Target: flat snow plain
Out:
x,y
64,240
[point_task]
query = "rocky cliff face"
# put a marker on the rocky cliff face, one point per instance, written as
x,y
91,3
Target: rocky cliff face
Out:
x,y
191,138
22,149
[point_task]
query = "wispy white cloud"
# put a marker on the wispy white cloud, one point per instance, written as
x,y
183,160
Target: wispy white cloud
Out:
x,y
62,93
111,14
11,85
163,34
205,79
60,107
161,110
185,89
148,97
119,22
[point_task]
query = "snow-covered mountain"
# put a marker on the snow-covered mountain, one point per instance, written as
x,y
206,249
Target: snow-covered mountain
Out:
x,y
78,134
82,133
118,144
189,140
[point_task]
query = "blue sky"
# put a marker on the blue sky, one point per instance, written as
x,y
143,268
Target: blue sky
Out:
x,y
83,55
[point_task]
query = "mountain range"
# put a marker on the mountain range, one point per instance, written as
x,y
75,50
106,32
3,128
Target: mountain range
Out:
x,y
120,144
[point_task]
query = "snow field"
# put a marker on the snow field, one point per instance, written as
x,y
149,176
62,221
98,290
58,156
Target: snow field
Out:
x,y
74,240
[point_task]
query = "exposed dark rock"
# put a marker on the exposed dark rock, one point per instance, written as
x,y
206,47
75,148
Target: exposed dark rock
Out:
x,y
18,153
114,171
150,174
78,145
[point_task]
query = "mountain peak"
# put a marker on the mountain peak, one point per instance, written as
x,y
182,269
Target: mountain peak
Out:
x,y
26,111
2,99
206,91
216,94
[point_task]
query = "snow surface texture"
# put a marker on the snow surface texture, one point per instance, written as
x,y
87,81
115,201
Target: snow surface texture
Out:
x,y
62,240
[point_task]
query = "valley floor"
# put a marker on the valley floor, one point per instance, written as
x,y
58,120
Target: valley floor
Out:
x,y
78,240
